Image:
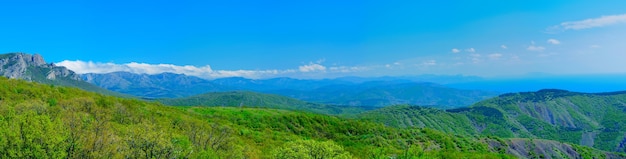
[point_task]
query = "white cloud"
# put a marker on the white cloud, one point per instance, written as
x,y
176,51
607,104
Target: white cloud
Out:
x,y
133,67
495,56
476,58
392,65
535,48
455,50
546,54
312,67
589,23
82,67
346,69
472,50
554,41
503,47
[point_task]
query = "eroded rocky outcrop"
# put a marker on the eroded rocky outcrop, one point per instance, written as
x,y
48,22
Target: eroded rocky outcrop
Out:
x,y
32,68
538,148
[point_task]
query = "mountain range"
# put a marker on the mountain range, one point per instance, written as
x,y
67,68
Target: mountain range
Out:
x,y
596,83
342,91
385,93
152,86
346,91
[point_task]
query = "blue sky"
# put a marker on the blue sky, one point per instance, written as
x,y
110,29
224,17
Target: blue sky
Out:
x,y
321,39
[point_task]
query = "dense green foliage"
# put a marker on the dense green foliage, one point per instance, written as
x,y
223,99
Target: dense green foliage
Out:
x,y
311,149
253,99
271,127
589,119
46,121
404,116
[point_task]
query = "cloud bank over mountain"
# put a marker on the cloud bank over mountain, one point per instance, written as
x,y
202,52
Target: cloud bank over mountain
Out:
x,y
206,71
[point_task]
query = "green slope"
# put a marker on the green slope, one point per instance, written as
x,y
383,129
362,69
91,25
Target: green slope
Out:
x,y
597,120
43,121
253,99
404,116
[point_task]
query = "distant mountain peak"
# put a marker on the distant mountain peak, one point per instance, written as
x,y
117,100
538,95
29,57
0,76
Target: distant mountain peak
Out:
x,y
32,67
553,91
32,60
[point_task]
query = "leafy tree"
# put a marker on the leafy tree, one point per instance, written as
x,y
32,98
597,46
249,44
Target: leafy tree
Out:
x,y
311,149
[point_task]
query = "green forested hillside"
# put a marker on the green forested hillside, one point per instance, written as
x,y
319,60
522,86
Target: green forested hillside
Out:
x,y
406,116
46,121
597,120
253,99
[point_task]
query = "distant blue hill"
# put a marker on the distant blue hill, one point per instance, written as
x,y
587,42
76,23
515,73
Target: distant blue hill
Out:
x,y
351,91
579,83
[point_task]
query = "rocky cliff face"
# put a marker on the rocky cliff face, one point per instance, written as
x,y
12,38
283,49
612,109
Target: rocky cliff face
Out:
x,y
29,67
168,85
538,148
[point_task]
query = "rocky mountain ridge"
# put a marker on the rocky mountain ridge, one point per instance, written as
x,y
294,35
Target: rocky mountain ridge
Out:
x,y
21,65
34,68
152,86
